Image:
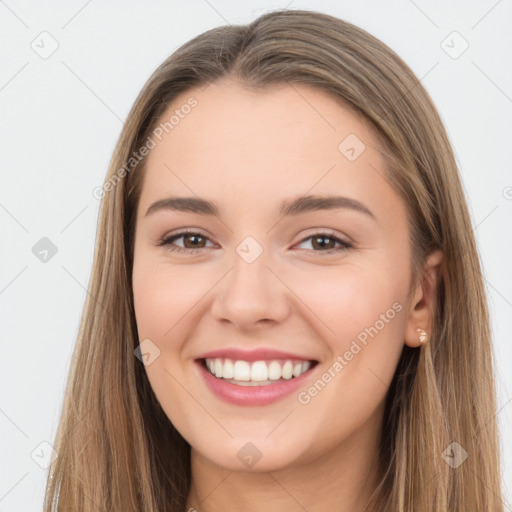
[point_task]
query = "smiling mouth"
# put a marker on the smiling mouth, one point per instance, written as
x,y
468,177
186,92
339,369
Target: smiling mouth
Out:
x,y
256,373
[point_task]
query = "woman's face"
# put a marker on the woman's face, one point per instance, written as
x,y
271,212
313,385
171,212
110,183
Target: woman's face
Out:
x,y
275,277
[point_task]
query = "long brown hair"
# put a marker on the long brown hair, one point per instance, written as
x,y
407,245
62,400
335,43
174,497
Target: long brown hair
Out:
x,y
118,451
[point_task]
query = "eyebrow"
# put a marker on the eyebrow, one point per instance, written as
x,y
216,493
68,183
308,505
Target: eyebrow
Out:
x,y
300,205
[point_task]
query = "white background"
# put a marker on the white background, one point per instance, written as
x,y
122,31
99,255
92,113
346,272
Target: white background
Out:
x,y
60,118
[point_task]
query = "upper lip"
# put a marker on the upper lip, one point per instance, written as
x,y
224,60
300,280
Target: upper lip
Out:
x,y
259,354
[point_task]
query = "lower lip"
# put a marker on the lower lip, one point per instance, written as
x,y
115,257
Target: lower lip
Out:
x,y
252,395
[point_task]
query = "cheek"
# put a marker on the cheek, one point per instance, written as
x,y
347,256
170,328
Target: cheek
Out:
x,y
364,311
164,298
351,301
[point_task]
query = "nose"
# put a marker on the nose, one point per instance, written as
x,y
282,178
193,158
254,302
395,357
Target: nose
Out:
x,y
251,296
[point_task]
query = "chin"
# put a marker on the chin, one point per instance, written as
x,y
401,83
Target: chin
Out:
x,y
252,456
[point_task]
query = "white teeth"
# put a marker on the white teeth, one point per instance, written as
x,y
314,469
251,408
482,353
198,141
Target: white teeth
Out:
x,y
274,370
218,367
258,371
286,370
228,371
242,370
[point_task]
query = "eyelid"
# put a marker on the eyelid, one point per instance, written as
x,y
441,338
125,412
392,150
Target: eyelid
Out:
x,y
326,232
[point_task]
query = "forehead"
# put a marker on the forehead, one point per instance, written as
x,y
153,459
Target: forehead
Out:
x,y
247,147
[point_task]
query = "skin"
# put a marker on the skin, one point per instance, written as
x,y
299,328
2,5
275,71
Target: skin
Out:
x,y
240,148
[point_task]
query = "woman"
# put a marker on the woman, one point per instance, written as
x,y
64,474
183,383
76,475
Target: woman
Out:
x,y
228,358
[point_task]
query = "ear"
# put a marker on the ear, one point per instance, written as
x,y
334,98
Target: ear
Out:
x,y
421,310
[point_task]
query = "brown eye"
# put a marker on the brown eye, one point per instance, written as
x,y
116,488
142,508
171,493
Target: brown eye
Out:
x,y
191,241
325,242
320,242
195,240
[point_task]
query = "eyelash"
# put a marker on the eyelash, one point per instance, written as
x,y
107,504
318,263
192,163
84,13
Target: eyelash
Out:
x,y
167,241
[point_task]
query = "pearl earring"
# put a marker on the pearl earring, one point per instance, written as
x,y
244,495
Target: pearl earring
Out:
x,y
422,335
